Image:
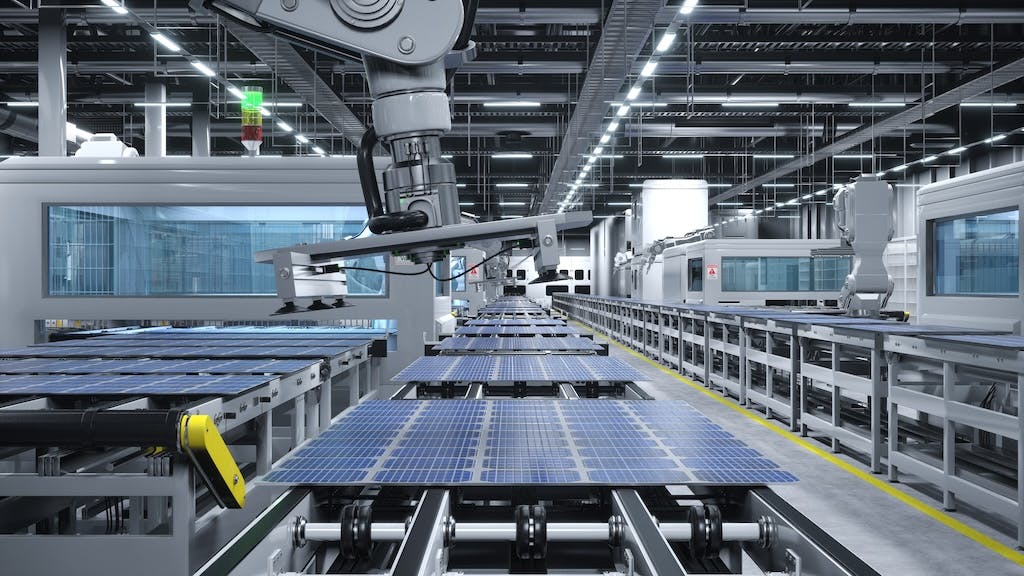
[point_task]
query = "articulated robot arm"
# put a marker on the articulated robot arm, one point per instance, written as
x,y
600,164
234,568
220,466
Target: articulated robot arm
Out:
x,y
406,47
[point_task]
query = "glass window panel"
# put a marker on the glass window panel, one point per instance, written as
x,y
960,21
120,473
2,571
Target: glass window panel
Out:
x,y
783,273
977,255
695,274
458,266
150,250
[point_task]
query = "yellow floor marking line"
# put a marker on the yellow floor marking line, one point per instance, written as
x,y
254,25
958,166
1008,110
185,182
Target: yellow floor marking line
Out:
x,y
919,505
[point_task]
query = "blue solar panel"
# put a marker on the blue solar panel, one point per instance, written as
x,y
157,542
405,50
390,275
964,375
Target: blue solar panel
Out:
x,y
515,330
518,368
109,384
516,343
109,341
474,442
49,366
275,352
516,322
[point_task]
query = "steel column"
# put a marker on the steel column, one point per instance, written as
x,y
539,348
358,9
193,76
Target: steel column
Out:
x,y
53,89
156,120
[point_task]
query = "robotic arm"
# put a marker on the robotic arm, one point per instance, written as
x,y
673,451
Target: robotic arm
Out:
x,y
406,47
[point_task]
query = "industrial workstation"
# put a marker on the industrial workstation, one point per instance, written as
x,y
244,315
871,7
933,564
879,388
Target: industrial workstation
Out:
x,y
487,287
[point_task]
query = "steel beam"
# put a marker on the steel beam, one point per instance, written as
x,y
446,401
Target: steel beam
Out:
x,y
970,89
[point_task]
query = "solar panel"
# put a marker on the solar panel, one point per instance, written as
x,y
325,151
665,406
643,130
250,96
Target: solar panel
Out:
x,y
523,442
515,330
234,352
515,322
518,368
50,366
109,384
265,334
109,341
516,343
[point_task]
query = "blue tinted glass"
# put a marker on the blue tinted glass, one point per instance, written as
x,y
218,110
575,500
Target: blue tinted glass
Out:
x,y
458,266
977,254
190,250
784,273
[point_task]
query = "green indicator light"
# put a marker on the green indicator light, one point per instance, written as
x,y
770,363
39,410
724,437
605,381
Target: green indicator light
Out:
x,y
252,99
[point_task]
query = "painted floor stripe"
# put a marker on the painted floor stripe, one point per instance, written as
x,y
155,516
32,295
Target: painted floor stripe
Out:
x,y
919,505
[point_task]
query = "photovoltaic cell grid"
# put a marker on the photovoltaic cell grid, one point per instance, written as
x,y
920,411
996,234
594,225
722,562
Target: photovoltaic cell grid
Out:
x,y
278,331
523,442
513,330
515,322
110,341
283,352
262,334
49,366
516,343
518,368
149,385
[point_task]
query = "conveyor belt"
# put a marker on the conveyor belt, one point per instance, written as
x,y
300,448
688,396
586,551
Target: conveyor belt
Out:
x,y
233,352
516,322
525,442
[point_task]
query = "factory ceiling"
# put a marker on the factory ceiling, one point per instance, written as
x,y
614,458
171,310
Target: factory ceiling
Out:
x,y
744,94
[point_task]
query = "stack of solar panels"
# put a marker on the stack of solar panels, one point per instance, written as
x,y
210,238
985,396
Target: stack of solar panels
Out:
x,y
167,361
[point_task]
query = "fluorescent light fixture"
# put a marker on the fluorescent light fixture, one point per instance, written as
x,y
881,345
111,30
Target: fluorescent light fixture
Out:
x,y
622,111
166,42
511,203
644,104
633,93
772,156
585,169
598,150
648,68
318,150
957,150
591,160
807,196
793,202
206,70
877,104
511,155
821,192
264,111
283,104
930,159
852,157
509,216
720,185
900,168
302,139
447,156
758,211
284,126
589,185
780,204
163,104
769,209
511,185
613,126
666,41
512,104
683,156
618,203
343,156
995,138
988,104
605,138
20,104
468,215
880,174
636,185
730,204
750,104
688,6
115,6
778,185
236,92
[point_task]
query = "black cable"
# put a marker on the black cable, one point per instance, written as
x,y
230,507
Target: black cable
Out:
x,y
468,270
390,272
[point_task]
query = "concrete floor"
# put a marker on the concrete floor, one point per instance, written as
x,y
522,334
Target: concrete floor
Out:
x,y
892,537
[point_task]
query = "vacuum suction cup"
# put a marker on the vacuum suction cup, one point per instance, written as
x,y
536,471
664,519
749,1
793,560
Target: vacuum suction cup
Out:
x,y
550,276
